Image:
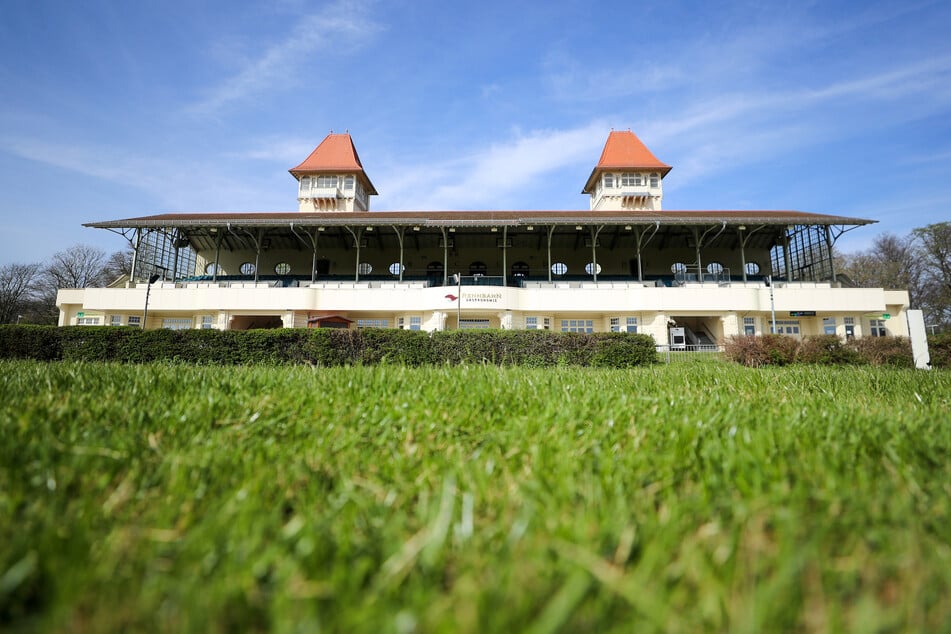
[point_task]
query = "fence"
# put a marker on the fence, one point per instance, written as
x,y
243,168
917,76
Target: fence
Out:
x,y
690,354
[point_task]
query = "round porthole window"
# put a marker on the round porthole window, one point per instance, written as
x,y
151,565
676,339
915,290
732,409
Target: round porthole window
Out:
x,y
211,268
365,268
559,268
247,268
396,268
592,269
714,268
678,267
282,268
752,268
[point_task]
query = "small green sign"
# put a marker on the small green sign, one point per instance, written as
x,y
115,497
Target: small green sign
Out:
x,y
80,314
886,316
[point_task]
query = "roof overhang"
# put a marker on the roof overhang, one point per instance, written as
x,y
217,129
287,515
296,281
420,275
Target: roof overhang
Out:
x,y
600,169
477,219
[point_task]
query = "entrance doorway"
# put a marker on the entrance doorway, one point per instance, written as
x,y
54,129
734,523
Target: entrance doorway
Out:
x,y
700,331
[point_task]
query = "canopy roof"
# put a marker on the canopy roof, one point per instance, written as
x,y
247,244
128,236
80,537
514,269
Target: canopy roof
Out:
x,y
283,228
478,218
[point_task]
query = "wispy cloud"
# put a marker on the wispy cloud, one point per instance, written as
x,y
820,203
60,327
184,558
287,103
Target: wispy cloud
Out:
x,y
177,183
338,28
721,131
489,177
282,150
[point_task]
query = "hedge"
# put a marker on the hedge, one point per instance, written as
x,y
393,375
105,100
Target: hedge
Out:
x,y
325,347
939,348
819,349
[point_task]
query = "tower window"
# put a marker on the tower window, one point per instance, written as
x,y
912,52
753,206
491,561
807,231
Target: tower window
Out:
x,y
628,180
608,180
348,183
655,179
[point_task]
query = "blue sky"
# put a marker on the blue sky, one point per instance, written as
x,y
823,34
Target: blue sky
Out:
x,y
115,109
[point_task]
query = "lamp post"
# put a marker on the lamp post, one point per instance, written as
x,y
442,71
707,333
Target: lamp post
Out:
x,y
458,281
148,289
772,305
19,317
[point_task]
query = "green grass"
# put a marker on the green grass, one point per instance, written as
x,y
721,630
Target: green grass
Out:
x,y
702,497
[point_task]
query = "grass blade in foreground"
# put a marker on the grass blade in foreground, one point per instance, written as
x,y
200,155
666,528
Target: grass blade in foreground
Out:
x,y
695,498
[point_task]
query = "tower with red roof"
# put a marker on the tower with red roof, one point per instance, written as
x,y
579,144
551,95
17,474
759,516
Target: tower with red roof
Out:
x,y
332,177
627,177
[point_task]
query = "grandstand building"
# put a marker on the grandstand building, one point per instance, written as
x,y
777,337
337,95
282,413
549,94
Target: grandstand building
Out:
x,y
689,278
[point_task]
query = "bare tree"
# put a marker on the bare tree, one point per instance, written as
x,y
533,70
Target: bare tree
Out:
x,y
117,265
934,242
79,266
892,262
18,288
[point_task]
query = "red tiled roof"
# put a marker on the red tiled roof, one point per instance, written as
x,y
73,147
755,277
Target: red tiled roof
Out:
x,y
623,150
336,153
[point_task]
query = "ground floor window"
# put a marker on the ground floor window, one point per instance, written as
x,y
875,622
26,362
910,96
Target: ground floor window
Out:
x,y
206,322
828,325
115,320
577,325
624,324
537,323
474,324
849,327
415,323
372,323
134,320
876,327
88,321
787,327
177,323
749,326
